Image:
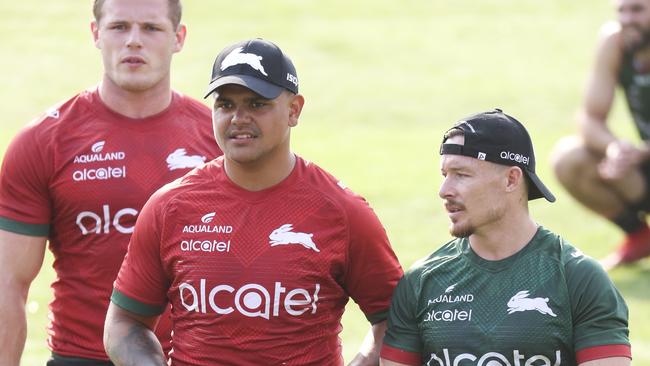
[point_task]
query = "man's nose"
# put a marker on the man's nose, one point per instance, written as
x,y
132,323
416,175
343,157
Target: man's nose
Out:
x,y
239,115
134,39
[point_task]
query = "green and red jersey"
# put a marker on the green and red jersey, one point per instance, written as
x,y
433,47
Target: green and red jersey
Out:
x,y
548,304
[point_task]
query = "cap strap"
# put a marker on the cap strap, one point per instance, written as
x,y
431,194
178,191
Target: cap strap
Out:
x,y
455,149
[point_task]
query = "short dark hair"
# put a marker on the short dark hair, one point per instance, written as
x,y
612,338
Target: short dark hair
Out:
x,y
174,8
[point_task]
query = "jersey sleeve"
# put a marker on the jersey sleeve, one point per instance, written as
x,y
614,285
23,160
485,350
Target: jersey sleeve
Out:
x,y
402,340
25,206
600,314
372,269
141,285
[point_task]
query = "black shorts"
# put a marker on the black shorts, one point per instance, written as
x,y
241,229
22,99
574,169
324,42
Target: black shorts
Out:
x,y
58,360
644,203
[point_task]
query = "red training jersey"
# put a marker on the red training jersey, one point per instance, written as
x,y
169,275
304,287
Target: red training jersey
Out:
x,y
80,176
257,277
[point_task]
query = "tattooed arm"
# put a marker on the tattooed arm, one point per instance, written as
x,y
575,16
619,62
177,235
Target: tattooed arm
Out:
x,y
129,338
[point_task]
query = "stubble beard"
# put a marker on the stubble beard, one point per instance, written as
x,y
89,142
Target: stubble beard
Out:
x,y
495,214
641,43
461,231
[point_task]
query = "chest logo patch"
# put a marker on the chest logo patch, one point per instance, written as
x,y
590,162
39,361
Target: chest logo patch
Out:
x,y
284,235
207,218
450,288
180,160
521,302
98,146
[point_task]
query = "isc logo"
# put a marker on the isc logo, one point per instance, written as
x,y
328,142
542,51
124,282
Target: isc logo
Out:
x,y
91,222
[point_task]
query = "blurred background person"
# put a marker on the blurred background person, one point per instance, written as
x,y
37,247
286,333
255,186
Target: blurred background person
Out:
x,y
607,173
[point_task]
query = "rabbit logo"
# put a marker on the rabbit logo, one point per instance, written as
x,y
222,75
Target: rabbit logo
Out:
x,y
180,160
283,235
521,302
236,57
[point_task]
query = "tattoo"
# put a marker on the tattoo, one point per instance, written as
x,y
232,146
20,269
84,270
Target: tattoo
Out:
x,y
139,346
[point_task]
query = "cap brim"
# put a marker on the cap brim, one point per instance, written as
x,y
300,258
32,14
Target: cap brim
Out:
x,y
538,189
261,87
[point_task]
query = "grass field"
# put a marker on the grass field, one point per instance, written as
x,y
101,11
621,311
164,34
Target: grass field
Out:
x,y
382,80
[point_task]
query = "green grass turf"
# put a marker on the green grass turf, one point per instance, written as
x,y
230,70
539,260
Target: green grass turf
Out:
x,y
382,80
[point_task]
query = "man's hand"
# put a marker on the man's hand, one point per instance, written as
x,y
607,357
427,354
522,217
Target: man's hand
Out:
x,y
621,158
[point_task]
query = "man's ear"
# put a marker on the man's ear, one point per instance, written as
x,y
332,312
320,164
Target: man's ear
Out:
x,y
180,35
514,178
295,108
94,29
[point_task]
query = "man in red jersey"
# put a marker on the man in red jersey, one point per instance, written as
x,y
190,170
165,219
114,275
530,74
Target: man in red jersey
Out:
x,y
258,251
79,175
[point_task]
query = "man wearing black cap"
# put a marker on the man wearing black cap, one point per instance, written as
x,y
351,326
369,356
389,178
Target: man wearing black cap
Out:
x,y
506,291
258,251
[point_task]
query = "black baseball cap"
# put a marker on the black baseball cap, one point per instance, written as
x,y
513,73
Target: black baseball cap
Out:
x,y
498,138
257,64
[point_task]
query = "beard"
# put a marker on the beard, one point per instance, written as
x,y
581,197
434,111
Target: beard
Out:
x,y
468,228
636,43
461,232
